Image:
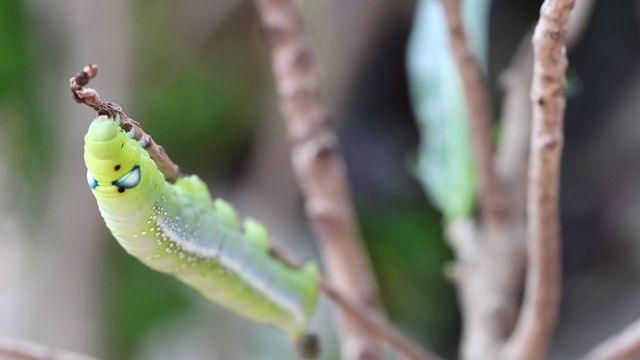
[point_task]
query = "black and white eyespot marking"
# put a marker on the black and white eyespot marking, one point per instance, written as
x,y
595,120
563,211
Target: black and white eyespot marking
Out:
x,y
128,180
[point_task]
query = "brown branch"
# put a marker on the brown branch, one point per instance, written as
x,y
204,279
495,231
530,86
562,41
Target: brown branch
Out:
x,y
375,325
318,166
369,320
492,205
91,98
542,288
490,263
512,155
624,345
513,150
578,21
489,260
18,349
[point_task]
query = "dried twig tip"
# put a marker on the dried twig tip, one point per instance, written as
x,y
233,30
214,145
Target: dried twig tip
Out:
x,y
88,72
83,95
82,78
91,70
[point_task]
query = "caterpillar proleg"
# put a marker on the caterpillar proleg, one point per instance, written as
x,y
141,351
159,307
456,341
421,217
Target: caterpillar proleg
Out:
x,y
179,230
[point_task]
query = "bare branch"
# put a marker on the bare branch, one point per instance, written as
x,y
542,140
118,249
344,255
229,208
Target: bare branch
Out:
x,y
538,315
490,260
17,349
512,156
578,21
368,319
624,345
91,98
513,150
375,325
318,165
490,263
492,204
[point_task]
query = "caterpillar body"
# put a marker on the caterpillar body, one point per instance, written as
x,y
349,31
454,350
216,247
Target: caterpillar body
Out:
x,y
177,229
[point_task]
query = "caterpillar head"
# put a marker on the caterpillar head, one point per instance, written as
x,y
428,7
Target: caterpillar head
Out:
x,y
116,163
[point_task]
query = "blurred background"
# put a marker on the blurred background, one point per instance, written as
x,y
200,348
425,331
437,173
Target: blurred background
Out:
x,y
197,76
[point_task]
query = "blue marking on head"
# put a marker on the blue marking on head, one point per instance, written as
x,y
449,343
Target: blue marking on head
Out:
x,y
91,180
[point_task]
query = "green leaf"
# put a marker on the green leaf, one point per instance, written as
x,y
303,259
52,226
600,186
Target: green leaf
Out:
x,y
408,254
444,164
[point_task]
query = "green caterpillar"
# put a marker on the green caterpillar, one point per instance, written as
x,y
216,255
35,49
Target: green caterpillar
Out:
x,y
177,229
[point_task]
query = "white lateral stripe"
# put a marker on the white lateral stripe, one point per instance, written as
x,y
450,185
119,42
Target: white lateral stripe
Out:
x,y
255,279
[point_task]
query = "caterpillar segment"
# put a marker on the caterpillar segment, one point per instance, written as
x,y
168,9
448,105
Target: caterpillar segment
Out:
x,y
179,230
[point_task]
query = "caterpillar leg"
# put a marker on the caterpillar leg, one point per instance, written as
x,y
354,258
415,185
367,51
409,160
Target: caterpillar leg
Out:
x,y
256,233
308,346
226,213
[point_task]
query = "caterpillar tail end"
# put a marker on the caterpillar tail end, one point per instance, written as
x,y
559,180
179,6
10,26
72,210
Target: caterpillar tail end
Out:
x,y
308,346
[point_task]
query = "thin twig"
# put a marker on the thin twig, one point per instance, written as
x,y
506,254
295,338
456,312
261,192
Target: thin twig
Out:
x,y
578,21
91,98
375,325
512,155
318,166
492,205
538,315
513,150
489,260
369,320
624,345
18,349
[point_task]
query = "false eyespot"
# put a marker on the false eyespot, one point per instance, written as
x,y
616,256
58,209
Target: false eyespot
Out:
x,y
91,180
129,180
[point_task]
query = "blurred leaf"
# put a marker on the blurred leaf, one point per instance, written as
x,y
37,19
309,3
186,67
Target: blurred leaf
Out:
x,y
14,49
408,254
444,164
205,110
21,118
196,99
